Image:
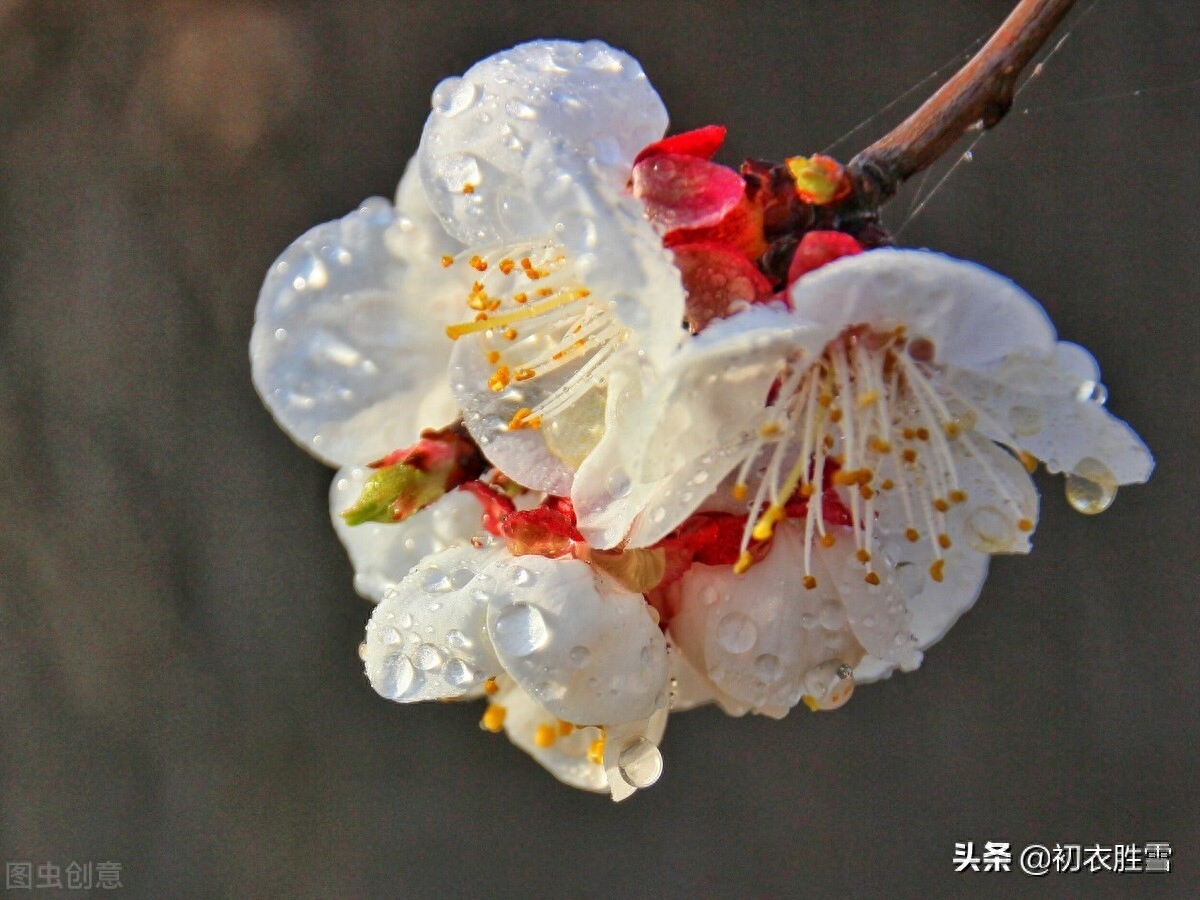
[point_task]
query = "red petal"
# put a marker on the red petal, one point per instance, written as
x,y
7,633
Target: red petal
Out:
x,y
741,228
716,278
496,506
818,248
682,191
701,142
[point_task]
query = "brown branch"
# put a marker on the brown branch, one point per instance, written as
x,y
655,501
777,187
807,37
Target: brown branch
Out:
x,y
977,96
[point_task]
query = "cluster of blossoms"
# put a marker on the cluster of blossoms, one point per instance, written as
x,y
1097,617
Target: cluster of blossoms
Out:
x,y
622,431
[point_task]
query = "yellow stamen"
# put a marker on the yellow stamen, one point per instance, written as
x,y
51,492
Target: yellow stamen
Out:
x,y
828,540
1025,525
745,561
912,534
739,491
595,752
447,262
479,264
493,356
506,265
809,582
545,736
565,728
454,332
500,380
957,496
871,578
944,541
468,188
935,570
493,719
1028,460
490,687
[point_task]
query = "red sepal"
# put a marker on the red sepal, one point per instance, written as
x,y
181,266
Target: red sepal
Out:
x,y
702,142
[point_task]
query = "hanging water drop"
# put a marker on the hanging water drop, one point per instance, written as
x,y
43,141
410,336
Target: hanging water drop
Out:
x,y
1092,487
640,763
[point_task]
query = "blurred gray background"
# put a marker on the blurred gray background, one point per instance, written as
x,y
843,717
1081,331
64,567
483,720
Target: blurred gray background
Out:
x,y
179,685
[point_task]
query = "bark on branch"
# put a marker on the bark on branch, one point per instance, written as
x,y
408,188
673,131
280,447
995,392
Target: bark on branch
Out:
x,y
977,96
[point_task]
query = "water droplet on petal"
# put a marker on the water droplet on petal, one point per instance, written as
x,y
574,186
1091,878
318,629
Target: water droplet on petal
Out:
x,y
1026,420
458,673
1092,392
405,620
362,650
640,763
456,639
618,484
579,656
991,530
832,616
460,578
453,96
520,630
709,595
736,633
396,677
427,657
391,636
1092,487
523,577
768,669
436,582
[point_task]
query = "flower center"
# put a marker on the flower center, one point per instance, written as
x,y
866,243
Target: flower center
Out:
x,y
544,335
872,405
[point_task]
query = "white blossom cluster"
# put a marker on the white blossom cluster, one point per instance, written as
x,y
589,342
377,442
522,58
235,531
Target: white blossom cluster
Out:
x,y
857,444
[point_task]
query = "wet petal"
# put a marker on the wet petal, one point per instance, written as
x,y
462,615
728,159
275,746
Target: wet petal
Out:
x,y
971,315
382,554
682,191
347,349
632,760
699,421
563,750
1052,407
583,647
427,638
758,636
519,125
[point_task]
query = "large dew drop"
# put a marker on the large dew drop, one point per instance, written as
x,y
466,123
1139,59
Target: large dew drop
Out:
x,y
396,677
520,630
1092,487
640,763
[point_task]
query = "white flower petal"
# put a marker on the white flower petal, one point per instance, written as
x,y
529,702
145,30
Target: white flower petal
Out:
x,y
698,422
383,553
971,315
567,757
348,336
1051,407
427,638
561,343
523,122
759,635
582,646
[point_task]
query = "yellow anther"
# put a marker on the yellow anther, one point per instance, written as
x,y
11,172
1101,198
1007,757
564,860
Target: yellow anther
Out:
x,y
739,491
1025,525
525,263
828,540
479,264
500,379
595,753
769,430
835,414
944,541
520,298
493,357
510,334
866,491
545,736
523,374
909,434
887,484
490,687
565,728
957,496
910,456
811,703
871,578
468,188
1028,460
493,719
522,418
546,292
922,434
862,555
867,399
940,505
745,561
953,430
809,582
806,490
912,534
879,445
826,400
935,570
765,526
447,262
506,265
